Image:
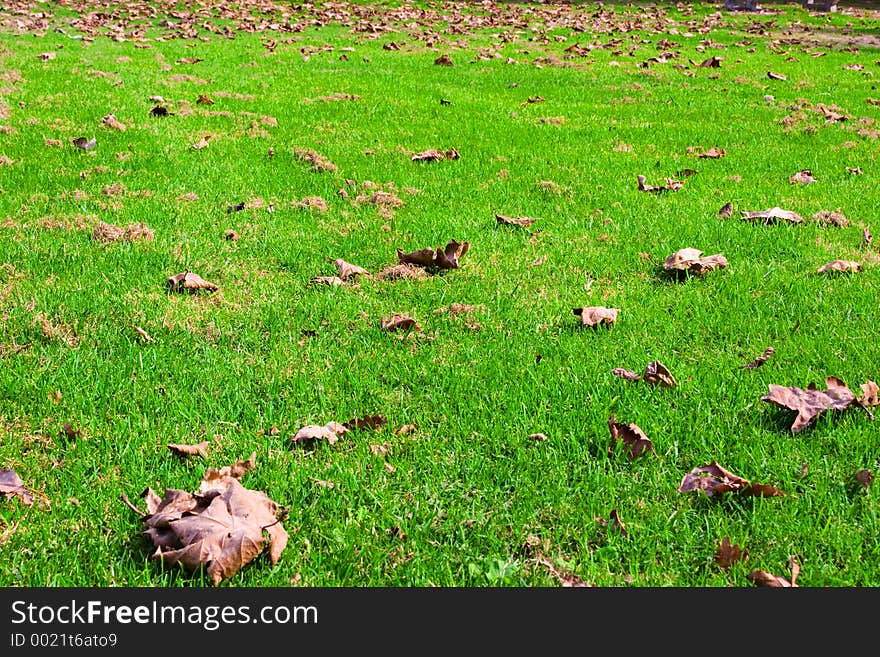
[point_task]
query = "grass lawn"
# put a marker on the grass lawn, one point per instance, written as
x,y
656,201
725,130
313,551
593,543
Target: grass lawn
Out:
x,y
255,145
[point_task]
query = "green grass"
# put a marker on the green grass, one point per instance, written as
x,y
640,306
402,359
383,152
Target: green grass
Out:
x,y
246,367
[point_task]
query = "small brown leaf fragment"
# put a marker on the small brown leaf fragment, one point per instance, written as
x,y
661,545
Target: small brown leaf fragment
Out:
x,y
538,437
204,100
656,373
633,438
595,315
712,479
440,258
763,578
727,554
160,110
435,155
110,121
760,360
190,282
842,266
366,422
444,60
831,218
726,210
230,235
870,394
713,153
616,521
11,485
811,402
803,177
531,100
83,143
406,428
143,334
70,432
199,449
348,270
671,185
320,164
866,236
201,143
865,478
105,232
712,62
329,432
626,374
46,56
399,322
690,259
856,171
776,76
327,280
772,215
515,221
830,115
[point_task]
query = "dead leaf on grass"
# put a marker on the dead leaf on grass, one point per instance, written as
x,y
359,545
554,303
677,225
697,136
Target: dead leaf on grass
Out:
x,y
399,322
221,528
202,143
204,100
763,578
515,221
772,215
46,56
329,432
348,270
624,373
760,360
671,185
776,76
105,232
840,266
726,210
656,373
444,60
831,218
634,439
84,143
110,121
199,449
803,177
690,259
810,402
595,315
712,479
712,153
435,155
11,485
439,258
190,282
726,555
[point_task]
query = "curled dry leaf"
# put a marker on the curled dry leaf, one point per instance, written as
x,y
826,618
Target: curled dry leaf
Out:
x,y
11,485
333,281
595,315
671,185
329,432
435,155
727,554
802,177
348,270
865,478
763,578
202,143
656,373
538,437
633,438
812,402
367,422
230,235
713,153
629,375
399,322
841,266
772,215
689,259
439,258
221,528
110,121
712,479
84,143
515,221
444,60
190,282
726,210
104,232
204,100
199,449
776,76
760,360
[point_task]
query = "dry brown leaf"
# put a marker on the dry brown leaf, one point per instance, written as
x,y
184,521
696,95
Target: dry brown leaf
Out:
x,y
870,394
713,153
763,578
444,60
110,121
633,438
204,100
865,478
320,164
329,432
776,76
712,479
656,373
671,185
515,221
105,232
221,528
760,360
439,258
726,210
629,375
812,402
348,270
11,485
435,155
726,554
803,177
399,322
843,266
595,315
689,259
831,218
531,100
230,235
189,282
201,143
327,280
772,215
402,271
84,143
538,437
367,422
199,449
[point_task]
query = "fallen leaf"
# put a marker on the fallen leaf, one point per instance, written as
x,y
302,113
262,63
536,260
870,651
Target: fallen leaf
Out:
x,y
141,332
201,143
348,270
539,437
811,402
70,432
803,177
856,171
515,221
111,121
199,449
726,554
11,485
595,315
444,60
763,578
656,373
633,438
204,100
221,528
366,422
238,207
46,56
399,322
671,185
712,479
689,259
772,215
776,76
327,280
712,62
831,218
846,266
189,60
629,375
105,232
190,282
713,152
160,110
230,235
435,155
726,210
760,360
439,258
329,432
84,144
